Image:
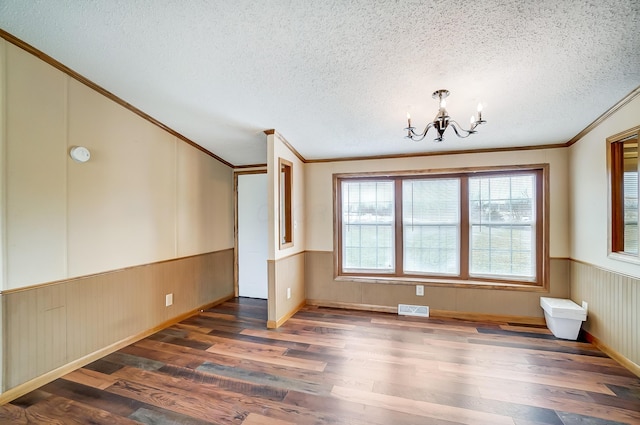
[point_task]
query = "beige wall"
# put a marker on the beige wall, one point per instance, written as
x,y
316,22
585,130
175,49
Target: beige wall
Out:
x,y
144,196
121,204
35,170
286,266
589,186
90,250
611,287
322,287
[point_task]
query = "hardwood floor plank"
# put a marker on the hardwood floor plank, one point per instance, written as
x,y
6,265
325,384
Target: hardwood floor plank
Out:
x,y
426,325
190,358
233,351
125,359
103,366
320,324
240,335
240,346
307,338
152,385
250,388
530,328
255,419
576,419
90,378
561,404
260,378
94,397
455,399
70,412
184,404
193,328
164,417
339,367
533,346
12,414
421,408
565,381
373,415
31,398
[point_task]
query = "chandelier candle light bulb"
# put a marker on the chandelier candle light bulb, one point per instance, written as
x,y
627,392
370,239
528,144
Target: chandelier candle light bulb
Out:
x,y
442,121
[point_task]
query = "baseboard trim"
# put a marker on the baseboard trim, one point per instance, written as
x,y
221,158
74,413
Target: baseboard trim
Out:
x,y
35,383
353,306
274,324
475,317
633,367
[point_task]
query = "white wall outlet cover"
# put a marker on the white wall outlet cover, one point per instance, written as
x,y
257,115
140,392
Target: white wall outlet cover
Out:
x,y
168,300
288,293
79,154
420,290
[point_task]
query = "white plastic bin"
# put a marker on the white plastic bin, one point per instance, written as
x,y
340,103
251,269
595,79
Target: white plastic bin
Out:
x,y
563,317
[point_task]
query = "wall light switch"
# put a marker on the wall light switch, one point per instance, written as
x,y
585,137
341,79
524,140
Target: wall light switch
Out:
x,y
288,293
420,290
168,300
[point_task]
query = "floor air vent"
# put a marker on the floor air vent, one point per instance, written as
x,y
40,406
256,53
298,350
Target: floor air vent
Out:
x,y
413,310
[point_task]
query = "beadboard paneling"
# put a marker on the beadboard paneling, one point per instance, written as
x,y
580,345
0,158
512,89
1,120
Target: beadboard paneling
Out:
x,y
52,325
614,304
321,286
288,272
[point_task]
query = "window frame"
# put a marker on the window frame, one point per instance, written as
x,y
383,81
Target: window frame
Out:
x,y
615,205
464,279
285,208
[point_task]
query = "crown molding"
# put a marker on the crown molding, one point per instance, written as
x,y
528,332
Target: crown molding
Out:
x,y
628,98
78,77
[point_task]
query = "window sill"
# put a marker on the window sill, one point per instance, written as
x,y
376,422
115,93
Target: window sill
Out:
x,y
627,258
443,283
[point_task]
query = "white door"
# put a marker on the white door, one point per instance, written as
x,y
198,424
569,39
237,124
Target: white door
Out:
x,y
252,235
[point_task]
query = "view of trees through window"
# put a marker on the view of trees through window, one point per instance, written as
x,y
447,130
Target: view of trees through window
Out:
x,y
459,226
368,225
502,218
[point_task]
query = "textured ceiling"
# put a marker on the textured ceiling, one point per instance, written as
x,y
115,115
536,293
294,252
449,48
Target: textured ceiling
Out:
x,y
337,77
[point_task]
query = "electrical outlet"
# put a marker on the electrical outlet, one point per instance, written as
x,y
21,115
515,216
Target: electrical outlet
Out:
x,y
585,305
288,293
420,290
168,300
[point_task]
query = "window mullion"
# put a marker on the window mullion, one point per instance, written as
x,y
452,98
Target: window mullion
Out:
x,y
399,271
465,228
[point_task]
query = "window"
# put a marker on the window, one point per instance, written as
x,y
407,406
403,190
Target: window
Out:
x,y
623,193
464,227
368,221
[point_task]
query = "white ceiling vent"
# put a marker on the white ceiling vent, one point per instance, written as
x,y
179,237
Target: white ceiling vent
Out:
x,y
413,310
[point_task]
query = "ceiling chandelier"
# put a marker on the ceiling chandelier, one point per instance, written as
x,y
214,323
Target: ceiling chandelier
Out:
x,y
442,121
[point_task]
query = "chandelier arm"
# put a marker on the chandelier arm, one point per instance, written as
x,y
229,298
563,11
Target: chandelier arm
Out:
x,y
419,137
455,125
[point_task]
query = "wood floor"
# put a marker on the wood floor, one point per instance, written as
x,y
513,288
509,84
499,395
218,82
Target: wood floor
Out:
x,y
329,366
